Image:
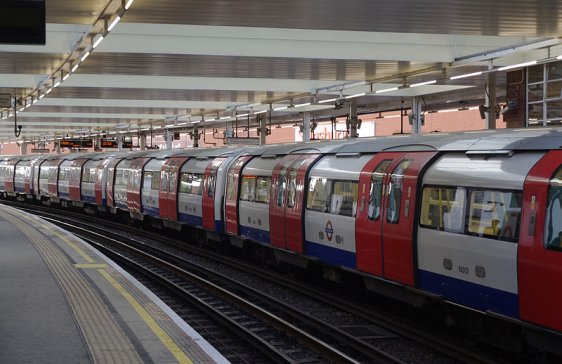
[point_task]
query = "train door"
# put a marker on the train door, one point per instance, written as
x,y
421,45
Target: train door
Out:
x,y
134,184
208,197
54,177
11,165
168,195
397,219
277,201
231,198
368,223
540,244
110,183
76,178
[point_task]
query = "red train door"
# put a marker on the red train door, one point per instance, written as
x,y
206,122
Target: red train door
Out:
x,y
54,178
76,179
231,198
540,244
368,223
9,186
168,194
294,219
134,184
110,182
277,200
400,184
209,194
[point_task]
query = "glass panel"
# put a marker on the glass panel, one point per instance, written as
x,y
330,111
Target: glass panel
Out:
x,y
230,187
156,181
395,191
197,184
535,92
147,180
185,183
86,175
248,188
553,221
536,113
375,201
292,190
263,187
282,186
344,198
554,71
495,214
212,182
536,73
554,90
319,191
443,208
554,110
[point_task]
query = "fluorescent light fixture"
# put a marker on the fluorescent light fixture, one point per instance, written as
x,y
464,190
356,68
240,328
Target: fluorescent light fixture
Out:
x,y
56,84
84,56
225,117
559,57
66,76
242,115
97,41
113,23
305,104
465,75
261,112
196,121
41,96
23,108
386,90
423,83
326,101
75,67
281,108
518,65
354,96
48,90
128,4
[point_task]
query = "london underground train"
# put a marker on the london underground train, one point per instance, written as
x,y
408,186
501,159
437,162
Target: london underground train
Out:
x,y
470,218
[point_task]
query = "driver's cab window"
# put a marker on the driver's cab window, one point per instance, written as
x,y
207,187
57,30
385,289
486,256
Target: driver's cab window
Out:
x,y
553,218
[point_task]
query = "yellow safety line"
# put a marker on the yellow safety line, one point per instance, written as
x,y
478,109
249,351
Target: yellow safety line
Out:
x,y
151,323
158,331
90,266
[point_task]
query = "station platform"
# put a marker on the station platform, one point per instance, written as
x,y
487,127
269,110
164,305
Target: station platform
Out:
x,y
64,302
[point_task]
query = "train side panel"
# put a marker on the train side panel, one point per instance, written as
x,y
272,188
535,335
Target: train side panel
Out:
x,y
467,238
151,187
540,246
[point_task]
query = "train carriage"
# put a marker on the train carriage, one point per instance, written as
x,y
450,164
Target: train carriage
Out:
x,y
23,179
7,173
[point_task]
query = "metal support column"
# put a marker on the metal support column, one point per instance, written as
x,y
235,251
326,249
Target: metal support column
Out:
x,y
306,126
263,128
196,135
23,148
169,139
491,99
352,120
416,115
142,140
119,142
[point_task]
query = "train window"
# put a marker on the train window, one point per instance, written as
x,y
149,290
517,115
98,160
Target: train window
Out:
x,y
212,182
292,189
86,175
553,218
118,177
319,192
443,208
282,186
263,188
248,188
191,183
495,214
375,193
197,184
230,187
344,198
147,180
156,180
63,174
395,191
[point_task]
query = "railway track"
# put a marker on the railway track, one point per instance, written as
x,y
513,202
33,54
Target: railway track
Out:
x,y
280,333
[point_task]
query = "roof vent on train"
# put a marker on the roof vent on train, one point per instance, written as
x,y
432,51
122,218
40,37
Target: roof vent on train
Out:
x,y
484,154
348,155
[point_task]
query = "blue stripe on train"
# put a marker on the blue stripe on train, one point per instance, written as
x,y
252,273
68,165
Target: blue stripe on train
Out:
x,y
64,194
470,294
91,199
191,219
152,211
218,226
121,205
329,255
254,234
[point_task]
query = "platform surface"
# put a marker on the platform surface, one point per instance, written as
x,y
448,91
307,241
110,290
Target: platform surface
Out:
x,y
64,302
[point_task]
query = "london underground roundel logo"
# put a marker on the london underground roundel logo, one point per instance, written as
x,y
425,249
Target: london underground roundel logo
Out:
x,y
329,230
